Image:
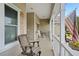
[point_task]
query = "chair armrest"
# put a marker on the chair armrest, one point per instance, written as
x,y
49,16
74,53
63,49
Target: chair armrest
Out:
x,y
30,46
36,41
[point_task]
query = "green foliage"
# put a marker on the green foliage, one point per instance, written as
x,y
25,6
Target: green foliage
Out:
x,y
76,44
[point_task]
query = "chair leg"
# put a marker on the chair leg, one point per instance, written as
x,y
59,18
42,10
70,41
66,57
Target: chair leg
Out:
x,y
39,53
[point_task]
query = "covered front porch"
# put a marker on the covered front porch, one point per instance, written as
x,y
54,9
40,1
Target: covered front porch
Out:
x,y
43,22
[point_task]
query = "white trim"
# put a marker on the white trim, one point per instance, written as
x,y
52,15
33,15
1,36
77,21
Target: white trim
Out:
x,y
11,25
13,6
18,23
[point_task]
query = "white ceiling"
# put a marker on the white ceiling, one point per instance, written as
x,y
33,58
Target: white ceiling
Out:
x,y
43,10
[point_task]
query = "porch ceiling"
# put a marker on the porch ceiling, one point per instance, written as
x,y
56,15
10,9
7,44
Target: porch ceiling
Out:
x,y
43,10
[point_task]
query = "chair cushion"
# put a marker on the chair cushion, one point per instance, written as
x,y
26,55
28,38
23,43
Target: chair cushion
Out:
x,y
36,49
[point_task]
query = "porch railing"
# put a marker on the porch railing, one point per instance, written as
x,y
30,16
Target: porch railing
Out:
x,y
57,45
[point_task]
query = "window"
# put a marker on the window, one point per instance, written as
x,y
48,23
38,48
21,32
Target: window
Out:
x,y
10,24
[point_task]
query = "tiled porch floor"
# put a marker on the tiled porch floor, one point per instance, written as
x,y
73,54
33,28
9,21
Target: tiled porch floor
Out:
x,y
46,47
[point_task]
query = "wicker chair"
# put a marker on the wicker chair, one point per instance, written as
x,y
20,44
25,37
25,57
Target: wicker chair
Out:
x,y
29,48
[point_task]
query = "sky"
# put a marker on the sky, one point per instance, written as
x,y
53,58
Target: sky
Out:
x,y
69,7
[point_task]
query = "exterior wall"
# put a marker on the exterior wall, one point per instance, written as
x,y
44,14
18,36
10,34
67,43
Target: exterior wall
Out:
x,y
30,25
23,17
12,48
32,21
44,25
23,23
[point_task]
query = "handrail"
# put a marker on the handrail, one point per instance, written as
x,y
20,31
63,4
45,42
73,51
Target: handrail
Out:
x,y
67,48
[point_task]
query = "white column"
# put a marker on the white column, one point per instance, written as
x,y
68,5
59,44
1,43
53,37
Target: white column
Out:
x,y
51,28
62,28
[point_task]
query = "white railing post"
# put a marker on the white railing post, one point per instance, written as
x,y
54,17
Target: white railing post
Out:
x,y
54,43
51,29
62,33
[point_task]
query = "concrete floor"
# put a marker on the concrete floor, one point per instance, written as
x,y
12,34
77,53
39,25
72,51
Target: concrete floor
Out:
x,y
46,47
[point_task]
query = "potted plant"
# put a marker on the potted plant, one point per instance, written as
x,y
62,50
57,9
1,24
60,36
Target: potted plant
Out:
x,y
74,45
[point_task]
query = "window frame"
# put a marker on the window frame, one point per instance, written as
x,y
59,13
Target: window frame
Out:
x,y
4,46
11,25
14,7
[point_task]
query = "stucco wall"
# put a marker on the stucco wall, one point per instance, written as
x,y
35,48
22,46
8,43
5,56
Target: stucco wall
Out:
x,y
30,25
32,21
44,25
23,23
23,17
